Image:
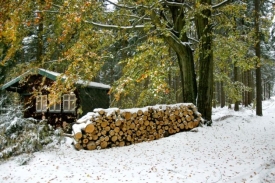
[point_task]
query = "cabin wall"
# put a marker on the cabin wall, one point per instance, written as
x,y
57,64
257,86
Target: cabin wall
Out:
x,y
91,98
56,119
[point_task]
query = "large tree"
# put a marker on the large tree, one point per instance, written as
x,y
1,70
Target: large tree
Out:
x,y
258,55
206,65
174,21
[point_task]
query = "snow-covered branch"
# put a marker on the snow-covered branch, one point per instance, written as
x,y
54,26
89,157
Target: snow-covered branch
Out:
x,y
116,27
169,3
126,7
47,11
221,4
193,39
134,17
56,5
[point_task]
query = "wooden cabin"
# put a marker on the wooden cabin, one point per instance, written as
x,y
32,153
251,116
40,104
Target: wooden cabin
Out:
x,y
87,96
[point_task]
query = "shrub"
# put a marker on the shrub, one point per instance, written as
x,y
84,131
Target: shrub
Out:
x,y
23,135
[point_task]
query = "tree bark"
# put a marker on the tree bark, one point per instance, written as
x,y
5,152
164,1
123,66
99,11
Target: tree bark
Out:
x,y
258,54
222,95
205,91
245,81
251,85
236,78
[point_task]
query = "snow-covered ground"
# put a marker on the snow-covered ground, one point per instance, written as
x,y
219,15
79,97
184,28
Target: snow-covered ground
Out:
x,y
239,147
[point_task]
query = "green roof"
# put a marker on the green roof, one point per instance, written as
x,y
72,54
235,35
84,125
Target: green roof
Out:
x,y
15,80
53,76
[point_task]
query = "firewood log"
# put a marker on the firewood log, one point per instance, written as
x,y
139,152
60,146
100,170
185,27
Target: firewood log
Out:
x,y
91,145
77,130
100,111
112,125
114,138
95,137
118,122
129,138
77,145
188,118
117,129
103,144
104,123
89,128
139,112
85,141
121,143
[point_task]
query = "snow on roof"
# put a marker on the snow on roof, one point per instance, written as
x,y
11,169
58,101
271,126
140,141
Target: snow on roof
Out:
x,y
53,76
89,84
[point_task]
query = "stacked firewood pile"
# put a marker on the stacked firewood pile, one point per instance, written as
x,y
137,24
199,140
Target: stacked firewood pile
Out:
x,y
114,127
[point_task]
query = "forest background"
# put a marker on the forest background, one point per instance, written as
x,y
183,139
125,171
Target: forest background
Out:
x,y
208,52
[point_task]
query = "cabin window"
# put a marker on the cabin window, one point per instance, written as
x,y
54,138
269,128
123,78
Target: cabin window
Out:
x,y
56,107
69,102
41,103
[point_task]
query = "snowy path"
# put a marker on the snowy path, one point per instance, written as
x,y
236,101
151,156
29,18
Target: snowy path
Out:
x,y
237,148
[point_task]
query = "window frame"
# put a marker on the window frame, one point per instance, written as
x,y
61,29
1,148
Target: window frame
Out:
x,y
69,102
41,101
55,107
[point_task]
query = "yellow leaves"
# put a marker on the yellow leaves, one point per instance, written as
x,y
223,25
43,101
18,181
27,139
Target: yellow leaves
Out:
x,y
87,3
140,2
28,23
10,29
143,76
197,4
38,17
66,3
77,19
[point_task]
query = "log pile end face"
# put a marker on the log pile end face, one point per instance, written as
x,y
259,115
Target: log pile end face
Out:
x,y
113,127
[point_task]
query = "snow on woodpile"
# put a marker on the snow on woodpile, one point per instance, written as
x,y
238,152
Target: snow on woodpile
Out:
x,y
104,128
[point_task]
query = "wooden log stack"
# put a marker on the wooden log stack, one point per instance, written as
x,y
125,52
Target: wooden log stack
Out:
x,y
104,128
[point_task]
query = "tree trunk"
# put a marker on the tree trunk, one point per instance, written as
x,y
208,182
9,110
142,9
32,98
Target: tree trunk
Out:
x,y
264,90
178,41
251,85
215,95
218,92
205,91
222,95
258,54
184,55
245,81
269,90
236,78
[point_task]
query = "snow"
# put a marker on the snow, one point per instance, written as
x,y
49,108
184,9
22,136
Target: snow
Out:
x,y
239,147
81,82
